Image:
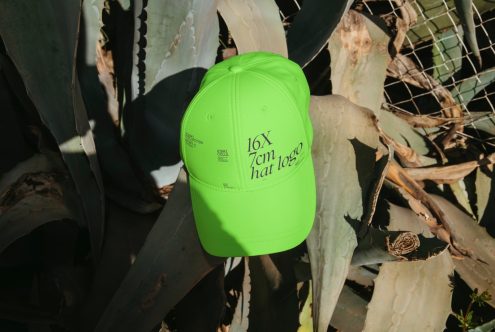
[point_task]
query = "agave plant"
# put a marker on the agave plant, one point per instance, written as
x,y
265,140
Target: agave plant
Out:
x,y
97,231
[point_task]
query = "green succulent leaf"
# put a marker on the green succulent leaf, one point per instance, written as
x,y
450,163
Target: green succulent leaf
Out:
x,y
350,311
341,128
464,10
153,285
478,269
312,27
435,16
42,42
359,60
265,32
464,92
175,42
31,195
447,53
487,327
400,288
122,183
12,143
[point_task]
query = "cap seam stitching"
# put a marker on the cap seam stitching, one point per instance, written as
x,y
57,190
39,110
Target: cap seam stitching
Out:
x,y
236,130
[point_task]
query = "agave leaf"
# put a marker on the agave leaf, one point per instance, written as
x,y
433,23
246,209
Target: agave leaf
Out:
x,y
174,43
312,27
436,16
13,145
404,290
469,88
399,130
33,200
123,185
465,13
484,186
478,270
461,195
484,123
342,185
240,321
350,311
126,233
487,327
447,53
273,301
26,28
153,285
206,300
359,52
305,317
361,276
36,164
255,25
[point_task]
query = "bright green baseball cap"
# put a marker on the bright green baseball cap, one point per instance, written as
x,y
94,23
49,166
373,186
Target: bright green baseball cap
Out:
x,y
246,144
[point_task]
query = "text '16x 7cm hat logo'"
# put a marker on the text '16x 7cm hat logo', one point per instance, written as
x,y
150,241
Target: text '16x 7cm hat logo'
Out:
x,y
263,157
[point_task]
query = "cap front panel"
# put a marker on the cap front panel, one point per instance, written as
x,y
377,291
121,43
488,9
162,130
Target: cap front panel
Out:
x,y
208,140
272,137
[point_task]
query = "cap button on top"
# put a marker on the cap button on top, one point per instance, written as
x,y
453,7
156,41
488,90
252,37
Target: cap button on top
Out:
x,y
235,69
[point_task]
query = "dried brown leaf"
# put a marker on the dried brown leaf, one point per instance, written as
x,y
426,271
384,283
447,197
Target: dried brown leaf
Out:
x,y
434,216
406,70
448,174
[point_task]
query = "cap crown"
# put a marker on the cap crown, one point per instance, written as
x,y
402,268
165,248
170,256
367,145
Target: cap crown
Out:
x,y
248,126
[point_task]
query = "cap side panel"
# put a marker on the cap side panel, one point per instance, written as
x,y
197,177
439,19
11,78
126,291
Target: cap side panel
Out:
x,y
283,91
185,117
207,137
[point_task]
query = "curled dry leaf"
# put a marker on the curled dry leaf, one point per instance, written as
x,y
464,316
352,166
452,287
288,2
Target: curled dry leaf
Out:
x,y
428,208
406,70
407,156
424,121
408,17
448,174
404,291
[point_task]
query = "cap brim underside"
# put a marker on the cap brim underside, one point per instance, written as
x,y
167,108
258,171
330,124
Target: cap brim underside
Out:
x,y
248,223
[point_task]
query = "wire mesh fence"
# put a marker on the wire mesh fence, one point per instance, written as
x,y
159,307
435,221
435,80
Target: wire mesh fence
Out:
x,y
437,32
415,48
436,45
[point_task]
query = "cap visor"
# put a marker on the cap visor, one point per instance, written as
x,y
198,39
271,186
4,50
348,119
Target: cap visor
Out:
x,y
248,223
